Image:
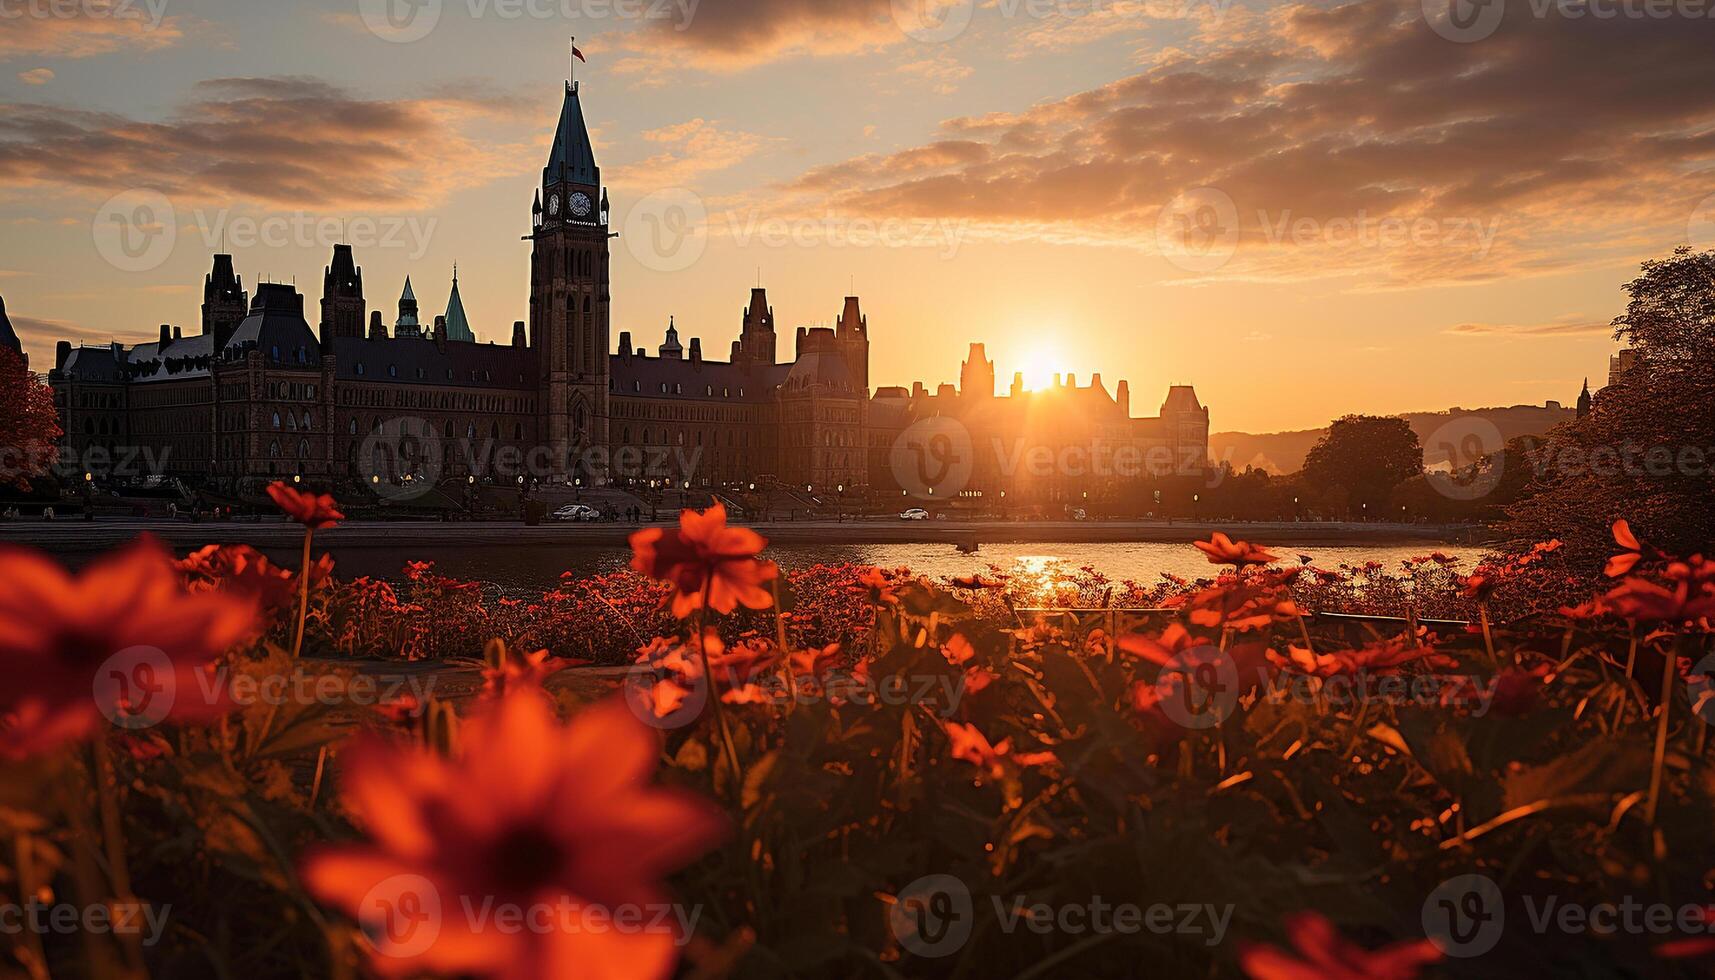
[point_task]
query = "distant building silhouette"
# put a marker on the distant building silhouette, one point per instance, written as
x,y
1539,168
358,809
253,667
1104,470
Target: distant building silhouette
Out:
x,y
258,395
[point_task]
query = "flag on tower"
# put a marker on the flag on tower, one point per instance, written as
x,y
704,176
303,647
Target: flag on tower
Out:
x,y
578,54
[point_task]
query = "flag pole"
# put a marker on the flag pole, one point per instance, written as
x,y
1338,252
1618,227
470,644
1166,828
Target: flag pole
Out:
x,y
572,59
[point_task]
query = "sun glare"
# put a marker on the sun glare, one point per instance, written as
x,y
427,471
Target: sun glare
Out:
x,y
1040,366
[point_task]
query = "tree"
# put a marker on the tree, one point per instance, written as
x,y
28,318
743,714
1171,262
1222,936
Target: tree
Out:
x,y
29,424
1646,451
1365,456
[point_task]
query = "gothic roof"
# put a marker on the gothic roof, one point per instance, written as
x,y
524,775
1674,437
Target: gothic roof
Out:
x,y
825,367
95,364
276,327
572,158
409,360
458,326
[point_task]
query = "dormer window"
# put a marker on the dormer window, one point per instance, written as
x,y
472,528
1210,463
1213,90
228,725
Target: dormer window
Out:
x,y
392,370
360,369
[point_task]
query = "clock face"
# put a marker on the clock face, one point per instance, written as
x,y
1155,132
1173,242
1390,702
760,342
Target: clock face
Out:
x,y
579,204
553,204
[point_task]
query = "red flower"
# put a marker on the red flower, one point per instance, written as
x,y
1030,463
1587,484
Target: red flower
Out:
x,y
814,662
1381,656
1160,651
125,628
1622,563
1223,550
241,570
705,555
530,815
529,670
972,746
314,511
1327,955
958,650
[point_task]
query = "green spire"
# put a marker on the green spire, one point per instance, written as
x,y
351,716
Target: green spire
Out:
x,y
458,326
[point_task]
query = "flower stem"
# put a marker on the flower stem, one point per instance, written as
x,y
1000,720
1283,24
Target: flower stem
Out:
x,y
303,594
1669,667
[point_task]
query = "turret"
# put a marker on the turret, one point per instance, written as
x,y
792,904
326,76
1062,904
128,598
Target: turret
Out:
x,y
671,347
756,341
224,302
457,324
976,375
852,329
343,306
407,326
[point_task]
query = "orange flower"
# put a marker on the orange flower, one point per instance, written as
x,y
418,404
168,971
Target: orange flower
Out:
x,y
311,510
1241,607
1161,650
971,745
125,628
704,555
958,650
1223,550
1381,656
531,816
1327,955
529,670
814,662
1624,562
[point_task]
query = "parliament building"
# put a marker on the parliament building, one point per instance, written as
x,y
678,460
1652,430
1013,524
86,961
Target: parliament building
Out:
x,y
257,394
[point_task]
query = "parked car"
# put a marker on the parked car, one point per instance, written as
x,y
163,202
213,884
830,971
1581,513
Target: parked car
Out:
x,y
914,514
577,512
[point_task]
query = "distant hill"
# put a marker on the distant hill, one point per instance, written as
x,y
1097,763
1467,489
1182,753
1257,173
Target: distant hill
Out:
x,y
1284,452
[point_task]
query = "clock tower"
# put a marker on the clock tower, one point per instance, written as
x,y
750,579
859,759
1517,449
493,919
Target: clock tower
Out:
x,y
569,299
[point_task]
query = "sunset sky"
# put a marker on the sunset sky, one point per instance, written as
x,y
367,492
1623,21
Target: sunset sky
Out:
x,y
1305,210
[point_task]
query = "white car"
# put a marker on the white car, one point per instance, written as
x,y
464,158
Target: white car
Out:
x,y
577,512
914,514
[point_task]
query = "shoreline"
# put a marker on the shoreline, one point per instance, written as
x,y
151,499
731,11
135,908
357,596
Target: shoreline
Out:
x,y
78,536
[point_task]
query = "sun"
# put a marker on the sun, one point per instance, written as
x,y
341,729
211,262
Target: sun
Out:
x,y
1040,365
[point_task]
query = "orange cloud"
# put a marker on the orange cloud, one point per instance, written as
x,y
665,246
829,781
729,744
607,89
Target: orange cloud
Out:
x,y
1345,141
736,34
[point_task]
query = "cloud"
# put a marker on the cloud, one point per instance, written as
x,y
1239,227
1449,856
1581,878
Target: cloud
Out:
x,y
282,142
36,76
1350,141
41,335
726,35
1565,326
86,28
940,75
685,152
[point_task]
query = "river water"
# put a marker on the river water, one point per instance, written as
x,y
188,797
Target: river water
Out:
x,y
533,568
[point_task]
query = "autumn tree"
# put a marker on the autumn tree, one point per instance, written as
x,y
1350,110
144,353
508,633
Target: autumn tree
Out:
x,y
1646,451
29,425
1363,457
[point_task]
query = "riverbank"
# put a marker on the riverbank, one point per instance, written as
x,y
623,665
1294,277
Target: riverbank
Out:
x,y
76,536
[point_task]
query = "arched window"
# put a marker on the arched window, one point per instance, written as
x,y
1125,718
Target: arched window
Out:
x,y
304,449
307,425
352,428
274,448
276,420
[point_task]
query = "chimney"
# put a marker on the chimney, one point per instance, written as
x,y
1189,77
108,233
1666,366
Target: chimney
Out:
x,y
441,332
178,335
1096,382
1057,382
625,343
1017,384
166,336
737,350
916,389
798,349
1071,381
518,339
377,329
696,350
1122,394
62,352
